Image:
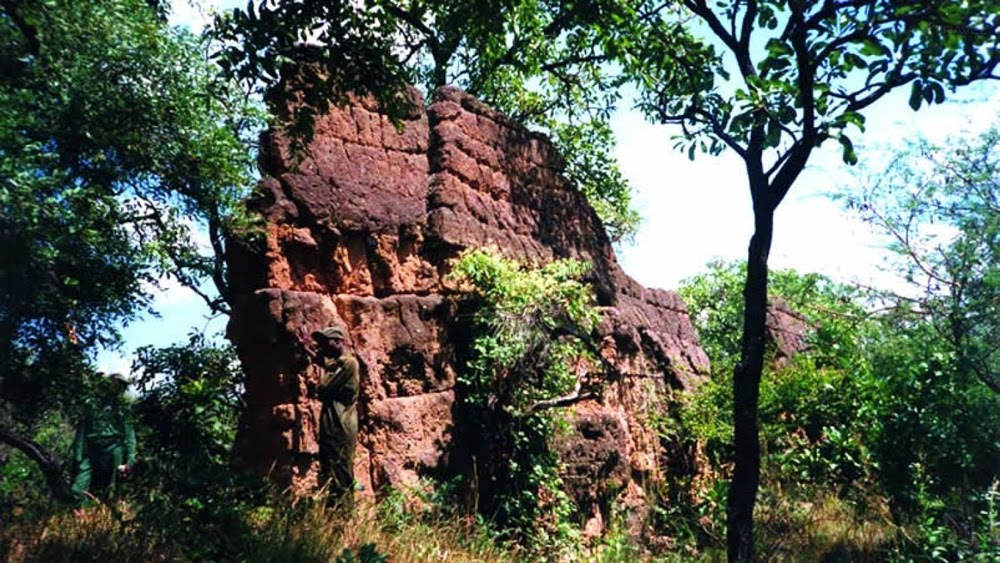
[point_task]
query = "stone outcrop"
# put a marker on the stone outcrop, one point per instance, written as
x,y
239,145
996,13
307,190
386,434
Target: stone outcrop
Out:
x,y
361,231
787,329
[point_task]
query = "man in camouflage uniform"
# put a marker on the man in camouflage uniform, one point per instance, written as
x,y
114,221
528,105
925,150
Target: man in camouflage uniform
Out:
x,y
338,423
104,447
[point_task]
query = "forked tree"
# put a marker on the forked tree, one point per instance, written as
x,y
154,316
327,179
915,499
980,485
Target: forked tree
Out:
x,y
802,73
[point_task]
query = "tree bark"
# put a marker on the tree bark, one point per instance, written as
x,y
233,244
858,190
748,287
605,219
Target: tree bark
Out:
x,y
746,390
50,465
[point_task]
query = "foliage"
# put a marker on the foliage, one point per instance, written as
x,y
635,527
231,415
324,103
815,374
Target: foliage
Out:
x,y
929,436
876,404
117,140
813,400
272,530
822,63
530,348
803,73
189,403
941,210
22,486
546,64
521,310
938,358
191,397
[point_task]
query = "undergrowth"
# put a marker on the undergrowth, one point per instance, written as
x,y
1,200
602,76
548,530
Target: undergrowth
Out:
x,y
303,531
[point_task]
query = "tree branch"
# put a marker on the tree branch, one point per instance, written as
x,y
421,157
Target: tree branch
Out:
x,y
50,465
218,257
747,28
217,305
566,400
701,9
580,59
904,240
798,154
893,79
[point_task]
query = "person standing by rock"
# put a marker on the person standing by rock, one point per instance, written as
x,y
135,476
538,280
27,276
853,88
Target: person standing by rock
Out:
x,y
338,423
104,447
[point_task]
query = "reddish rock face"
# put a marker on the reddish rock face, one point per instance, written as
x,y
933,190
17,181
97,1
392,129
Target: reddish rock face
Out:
x,y
787,328
361,232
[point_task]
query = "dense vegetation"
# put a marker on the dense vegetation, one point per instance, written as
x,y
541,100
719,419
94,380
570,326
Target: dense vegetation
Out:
x,y
804,74
533,328
126,149
118,141
875,425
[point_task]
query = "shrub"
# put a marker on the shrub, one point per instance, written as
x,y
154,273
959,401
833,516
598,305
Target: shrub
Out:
x,y
531,345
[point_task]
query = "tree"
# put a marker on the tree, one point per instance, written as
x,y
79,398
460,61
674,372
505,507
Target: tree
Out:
x,y
545,63
941,210
804,72
117,140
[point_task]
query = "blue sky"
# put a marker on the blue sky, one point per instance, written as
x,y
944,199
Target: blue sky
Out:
x,y
697,211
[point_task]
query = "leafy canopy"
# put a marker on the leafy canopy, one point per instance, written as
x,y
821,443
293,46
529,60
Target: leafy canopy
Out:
x,y
803,73
118,142
940,209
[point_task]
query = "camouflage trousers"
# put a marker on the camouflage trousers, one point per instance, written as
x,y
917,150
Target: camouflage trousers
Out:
x,y
336,467
98,470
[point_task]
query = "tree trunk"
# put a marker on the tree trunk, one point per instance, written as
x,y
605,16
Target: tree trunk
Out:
x,y
49,464
746,390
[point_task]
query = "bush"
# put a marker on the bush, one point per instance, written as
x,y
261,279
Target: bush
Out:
x,y
876,405
532,340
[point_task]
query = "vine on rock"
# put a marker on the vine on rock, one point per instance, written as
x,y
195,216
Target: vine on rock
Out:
x,y
529,356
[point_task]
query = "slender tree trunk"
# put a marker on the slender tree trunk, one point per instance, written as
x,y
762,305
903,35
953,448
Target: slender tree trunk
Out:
x,y
746,390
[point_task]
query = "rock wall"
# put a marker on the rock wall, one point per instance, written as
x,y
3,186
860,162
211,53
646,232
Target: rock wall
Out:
x,y
787,329
361,231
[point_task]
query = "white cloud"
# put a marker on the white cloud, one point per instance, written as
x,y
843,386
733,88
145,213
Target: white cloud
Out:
x,y
696,211
196,14
189,13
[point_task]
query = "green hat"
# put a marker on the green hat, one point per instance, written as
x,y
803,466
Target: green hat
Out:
x,y
330,333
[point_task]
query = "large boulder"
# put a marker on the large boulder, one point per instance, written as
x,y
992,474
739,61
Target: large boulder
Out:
x,y
361,230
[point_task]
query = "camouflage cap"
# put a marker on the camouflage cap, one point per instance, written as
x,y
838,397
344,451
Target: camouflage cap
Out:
x,y
330,333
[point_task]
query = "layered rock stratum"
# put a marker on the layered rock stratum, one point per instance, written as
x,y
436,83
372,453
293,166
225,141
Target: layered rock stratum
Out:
x,y
361,230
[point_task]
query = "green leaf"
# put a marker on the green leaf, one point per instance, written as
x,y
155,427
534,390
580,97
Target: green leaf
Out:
x,y
871,48
916,92
778,48
848,154
773,133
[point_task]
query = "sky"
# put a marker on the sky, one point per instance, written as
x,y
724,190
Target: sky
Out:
x,y
692,211
696,211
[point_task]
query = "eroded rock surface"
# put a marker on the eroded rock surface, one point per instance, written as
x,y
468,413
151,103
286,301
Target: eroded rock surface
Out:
x,y
788,329
361,231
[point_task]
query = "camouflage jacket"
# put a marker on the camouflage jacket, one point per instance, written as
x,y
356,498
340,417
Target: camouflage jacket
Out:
x,y
338,392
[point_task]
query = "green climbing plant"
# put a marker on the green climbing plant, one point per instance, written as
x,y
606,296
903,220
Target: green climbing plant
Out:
x,y
528,357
